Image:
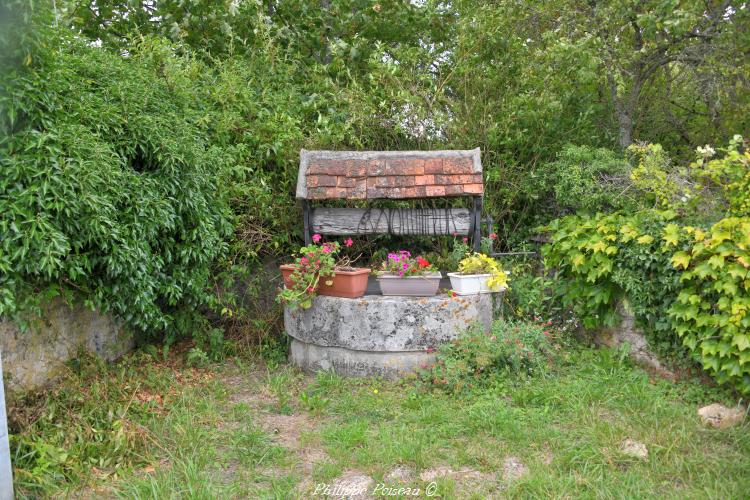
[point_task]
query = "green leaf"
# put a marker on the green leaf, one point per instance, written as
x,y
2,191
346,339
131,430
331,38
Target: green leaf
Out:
x,y
741,341
671,234
645,239
681,259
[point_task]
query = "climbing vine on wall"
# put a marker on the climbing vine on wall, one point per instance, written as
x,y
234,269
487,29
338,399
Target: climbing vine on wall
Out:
x,y
686,282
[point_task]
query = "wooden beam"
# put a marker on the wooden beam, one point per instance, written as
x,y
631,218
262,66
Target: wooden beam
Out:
x,y
412,221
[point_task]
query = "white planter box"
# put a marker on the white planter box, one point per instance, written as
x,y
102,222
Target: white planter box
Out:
x,y
470,284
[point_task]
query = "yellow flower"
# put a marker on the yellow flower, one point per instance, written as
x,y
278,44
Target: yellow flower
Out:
x,y
479,263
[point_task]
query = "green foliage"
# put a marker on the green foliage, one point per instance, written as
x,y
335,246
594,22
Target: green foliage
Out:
x,y
682,282
711,312
708,186
109,185
92,419
603,259
475,358
586,179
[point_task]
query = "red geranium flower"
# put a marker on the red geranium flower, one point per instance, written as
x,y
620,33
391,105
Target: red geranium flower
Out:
x,y
422,262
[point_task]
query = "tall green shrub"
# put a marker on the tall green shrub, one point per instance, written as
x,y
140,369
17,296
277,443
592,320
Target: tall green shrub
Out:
x,y
108,185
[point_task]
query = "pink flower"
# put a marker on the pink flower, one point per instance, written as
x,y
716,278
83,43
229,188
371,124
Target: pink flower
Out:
x,y
326,249
493,236
348,242
304,260
466,240
316,237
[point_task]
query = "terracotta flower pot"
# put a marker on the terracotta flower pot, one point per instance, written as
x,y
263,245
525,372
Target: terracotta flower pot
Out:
x,y
410,286
286,273
346,283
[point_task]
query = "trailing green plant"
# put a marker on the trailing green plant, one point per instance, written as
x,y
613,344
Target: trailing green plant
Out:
x,y
476,358
316,262
711,312
685,283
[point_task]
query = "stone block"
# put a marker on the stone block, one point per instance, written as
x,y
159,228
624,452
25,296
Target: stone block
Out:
x,y
379,335
34,357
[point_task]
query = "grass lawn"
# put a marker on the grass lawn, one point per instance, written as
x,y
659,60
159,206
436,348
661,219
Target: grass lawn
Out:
x,y
240,429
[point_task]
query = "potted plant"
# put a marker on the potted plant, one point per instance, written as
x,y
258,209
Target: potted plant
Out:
x,y
401,274
478,273
317,271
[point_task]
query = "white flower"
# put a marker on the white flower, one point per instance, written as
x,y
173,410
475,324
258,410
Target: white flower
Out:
x,y
737,137
707,150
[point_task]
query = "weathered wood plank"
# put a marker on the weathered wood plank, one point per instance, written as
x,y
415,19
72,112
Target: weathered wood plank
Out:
x,y
413,221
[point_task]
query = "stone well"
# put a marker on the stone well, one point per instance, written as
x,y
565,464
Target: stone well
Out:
x,y
383,336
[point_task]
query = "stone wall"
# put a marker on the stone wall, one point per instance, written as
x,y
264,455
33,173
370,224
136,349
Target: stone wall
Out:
x,y
35,356
627,333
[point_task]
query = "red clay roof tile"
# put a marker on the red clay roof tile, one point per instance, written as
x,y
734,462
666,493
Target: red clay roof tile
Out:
x,y
391,174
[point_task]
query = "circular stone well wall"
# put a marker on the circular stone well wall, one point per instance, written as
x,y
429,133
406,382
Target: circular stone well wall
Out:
x,y
383,336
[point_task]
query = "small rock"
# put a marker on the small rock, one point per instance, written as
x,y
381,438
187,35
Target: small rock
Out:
x,y
721,417
634,449
352,484
400,474
513,469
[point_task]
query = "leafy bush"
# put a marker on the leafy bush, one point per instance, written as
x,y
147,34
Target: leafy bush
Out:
x,y
475,358
586,179
683,281
109,185
711,312
600,260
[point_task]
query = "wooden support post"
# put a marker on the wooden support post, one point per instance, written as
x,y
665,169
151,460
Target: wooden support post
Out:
x,y
477,213
6,472
306,216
